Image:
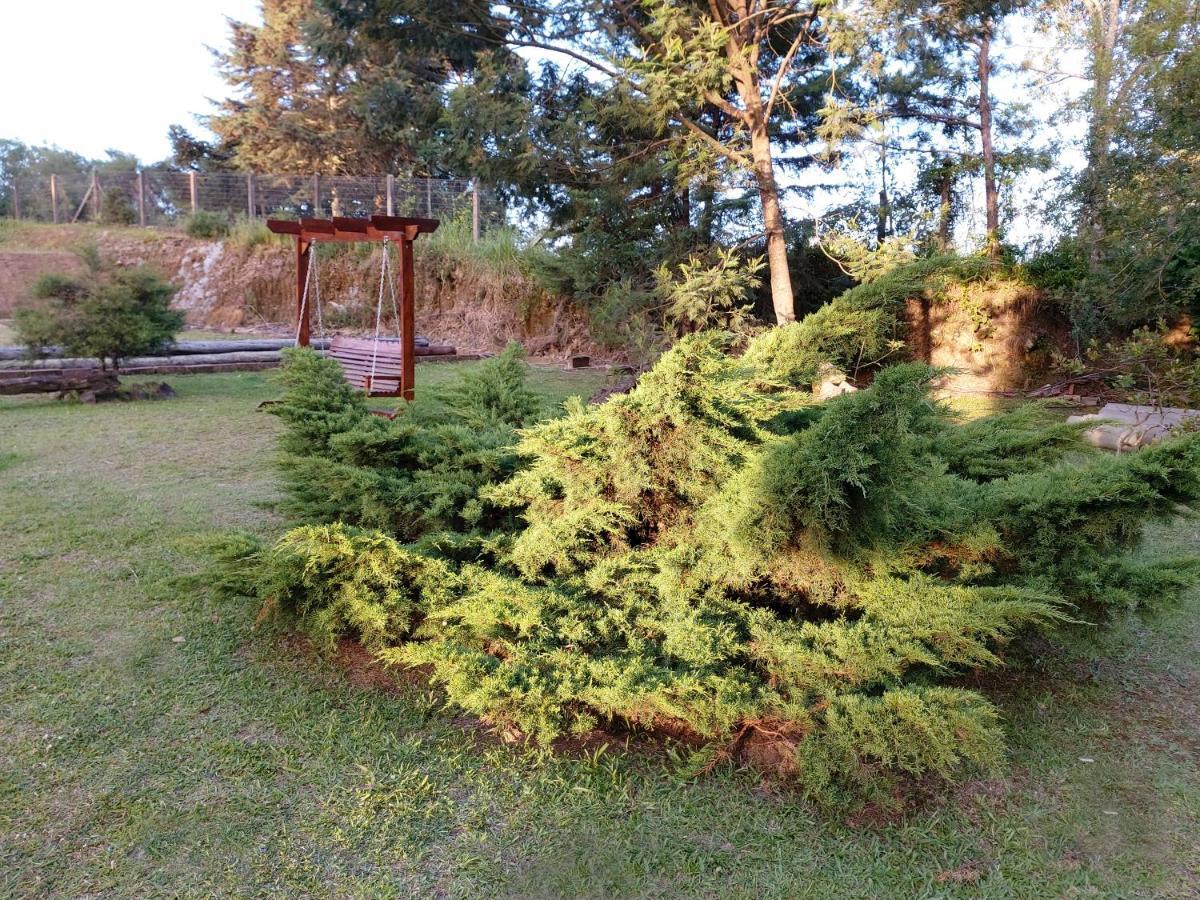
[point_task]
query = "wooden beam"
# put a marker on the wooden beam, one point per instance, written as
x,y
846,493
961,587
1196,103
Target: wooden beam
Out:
x,y
399,223
376,228
408,356
318,226
358,226
303,304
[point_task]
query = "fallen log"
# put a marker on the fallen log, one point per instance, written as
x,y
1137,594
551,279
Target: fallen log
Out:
x,y
60,381
265,358
188,348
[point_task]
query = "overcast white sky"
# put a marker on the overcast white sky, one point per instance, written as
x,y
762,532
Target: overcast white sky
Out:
x,y
88,76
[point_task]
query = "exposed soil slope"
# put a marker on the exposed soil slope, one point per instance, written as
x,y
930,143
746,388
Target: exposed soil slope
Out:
x,y
228,286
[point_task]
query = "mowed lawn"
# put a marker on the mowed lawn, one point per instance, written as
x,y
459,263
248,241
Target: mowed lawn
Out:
x,y
152,742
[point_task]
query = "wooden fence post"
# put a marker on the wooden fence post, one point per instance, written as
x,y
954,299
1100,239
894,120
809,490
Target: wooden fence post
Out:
x,y
97,200
250,198
54,198
193,193
391,195
475,211
429,197
317,196
16,201
141,188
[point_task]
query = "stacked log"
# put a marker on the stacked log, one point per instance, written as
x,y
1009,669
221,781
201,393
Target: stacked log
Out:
x,y
191,348
19,375
94,381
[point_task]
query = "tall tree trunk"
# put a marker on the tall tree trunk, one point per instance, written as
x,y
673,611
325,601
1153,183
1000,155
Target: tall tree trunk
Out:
x,y
884,211
706,218
777,260
990,192
945,207
1105,26
742,48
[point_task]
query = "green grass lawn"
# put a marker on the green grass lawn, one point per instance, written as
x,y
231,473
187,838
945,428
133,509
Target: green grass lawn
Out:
x,y
153,743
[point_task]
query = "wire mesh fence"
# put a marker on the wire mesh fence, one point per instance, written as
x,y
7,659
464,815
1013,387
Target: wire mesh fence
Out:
x,y
159,198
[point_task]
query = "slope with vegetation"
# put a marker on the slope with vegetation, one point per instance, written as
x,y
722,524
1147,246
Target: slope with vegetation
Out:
x,y
478,295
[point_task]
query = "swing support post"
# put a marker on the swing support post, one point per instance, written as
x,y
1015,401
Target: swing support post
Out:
x,y
399,230
303,314
408,352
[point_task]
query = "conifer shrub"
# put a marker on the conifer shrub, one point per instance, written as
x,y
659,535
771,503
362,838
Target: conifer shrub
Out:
x,y
796,583
107,315
418,474
863,325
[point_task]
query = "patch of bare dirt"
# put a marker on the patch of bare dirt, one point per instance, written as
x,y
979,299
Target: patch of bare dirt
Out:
x,y
968,873
20,270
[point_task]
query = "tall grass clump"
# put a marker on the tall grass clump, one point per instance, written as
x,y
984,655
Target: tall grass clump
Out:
x,y
206,225
246,233
498,251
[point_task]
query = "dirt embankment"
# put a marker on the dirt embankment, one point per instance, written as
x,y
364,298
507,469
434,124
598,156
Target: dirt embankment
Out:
x,y
20,270
994,334
226,286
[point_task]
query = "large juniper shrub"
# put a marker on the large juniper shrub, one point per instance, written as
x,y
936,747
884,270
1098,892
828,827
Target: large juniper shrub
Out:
x,y
718,553
416,475
865,324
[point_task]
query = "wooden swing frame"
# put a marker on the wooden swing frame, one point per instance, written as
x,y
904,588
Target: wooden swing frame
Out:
x,y
399,230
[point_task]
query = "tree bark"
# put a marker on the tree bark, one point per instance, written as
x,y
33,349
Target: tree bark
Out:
x,y
58,382
990,191
945,207
777,261
1105,27
745,40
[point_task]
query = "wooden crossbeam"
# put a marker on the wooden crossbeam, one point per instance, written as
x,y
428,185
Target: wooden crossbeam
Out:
x,y
343,228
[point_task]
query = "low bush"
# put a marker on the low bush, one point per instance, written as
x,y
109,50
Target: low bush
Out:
x,y
715,553
207,225
415,475
116,208
248,233
864,325
108,315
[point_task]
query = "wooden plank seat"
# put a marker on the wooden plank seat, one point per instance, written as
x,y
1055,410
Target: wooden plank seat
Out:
x,y
355,357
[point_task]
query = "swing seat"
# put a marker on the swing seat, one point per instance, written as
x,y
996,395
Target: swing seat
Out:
x,y
355,357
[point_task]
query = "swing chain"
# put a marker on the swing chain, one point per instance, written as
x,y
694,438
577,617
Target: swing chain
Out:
x,y
383,272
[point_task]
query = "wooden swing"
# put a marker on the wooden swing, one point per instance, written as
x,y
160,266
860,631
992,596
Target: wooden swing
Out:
x,y
382,367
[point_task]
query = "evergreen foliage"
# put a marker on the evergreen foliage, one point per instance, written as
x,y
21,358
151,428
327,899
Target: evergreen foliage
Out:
x,y
414,475
790,581
862,325
107,316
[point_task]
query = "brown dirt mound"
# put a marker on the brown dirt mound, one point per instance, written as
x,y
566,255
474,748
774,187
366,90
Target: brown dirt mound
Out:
x,y
987,331
20,269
